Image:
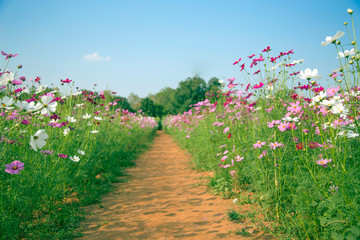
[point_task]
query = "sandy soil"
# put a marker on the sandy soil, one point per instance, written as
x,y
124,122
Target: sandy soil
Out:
x,y
164,199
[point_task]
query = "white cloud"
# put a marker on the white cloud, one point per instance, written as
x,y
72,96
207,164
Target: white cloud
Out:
x,y
95,57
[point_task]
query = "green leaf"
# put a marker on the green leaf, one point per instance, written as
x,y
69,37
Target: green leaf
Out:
x,y
313,204
323,220
351,237
355,230
337,236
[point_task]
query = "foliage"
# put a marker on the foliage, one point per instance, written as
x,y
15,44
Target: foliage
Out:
x,y
286,139
60,152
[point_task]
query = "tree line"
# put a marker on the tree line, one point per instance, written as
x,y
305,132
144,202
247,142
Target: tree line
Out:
x,y
174,101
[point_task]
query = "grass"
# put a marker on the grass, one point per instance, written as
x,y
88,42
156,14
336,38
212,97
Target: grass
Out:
x,y
290,142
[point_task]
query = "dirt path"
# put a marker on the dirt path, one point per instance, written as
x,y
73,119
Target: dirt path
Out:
x,y
164,199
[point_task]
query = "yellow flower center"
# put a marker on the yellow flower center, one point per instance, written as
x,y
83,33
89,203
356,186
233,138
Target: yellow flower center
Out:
x,y
14,167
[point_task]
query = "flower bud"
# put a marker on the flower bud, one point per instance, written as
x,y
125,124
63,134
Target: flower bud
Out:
x,y
338,43
352,57
353,42
351,62
350,11
340,81
345,23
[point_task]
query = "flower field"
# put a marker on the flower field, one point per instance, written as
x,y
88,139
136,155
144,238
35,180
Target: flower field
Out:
x,y
59,152
286,138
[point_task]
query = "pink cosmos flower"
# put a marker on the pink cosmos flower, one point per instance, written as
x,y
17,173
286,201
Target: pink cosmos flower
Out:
x,y
323,162
256,86
283,126
236,62
258,144
66,81
294,108
14,167
275,145
262,155
269,109
242,67
238,158
331,91
8,55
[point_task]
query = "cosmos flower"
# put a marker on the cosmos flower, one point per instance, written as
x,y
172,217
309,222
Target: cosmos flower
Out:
x,y
86,116
258,144
74,158
309,74
39,139
14,167
46,106
6,102
329,39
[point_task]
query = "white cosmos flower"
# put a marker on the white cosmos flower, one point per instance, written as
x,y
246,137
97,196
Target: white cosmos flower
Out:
x,y
342,134
86,116
328,103
346,53
94,131
66,131
98,118
329,39
81,152
221,81
351,134
298,61
308,74
290,119
40,89
6,102
39,139
6,78
339,109
46,106
70,119
74,158
319,97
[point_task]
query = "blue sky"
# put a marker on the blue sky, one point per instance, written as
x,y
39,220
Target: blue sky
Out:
x,y
143,46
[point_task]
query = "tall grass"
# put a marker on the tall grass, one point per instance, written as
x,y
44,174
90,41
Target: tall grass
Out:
x,y
289,140
85,143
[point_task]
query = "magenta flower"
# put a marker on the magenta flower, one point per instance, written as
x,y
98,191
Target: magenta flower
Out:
x,y
275,145
14,167
62,155
258,144
8,55
256,86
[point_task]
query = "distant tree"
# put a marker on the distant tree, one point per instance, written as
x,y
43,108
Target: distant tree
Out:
x,y
134,101
149,108
166,98
190,91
